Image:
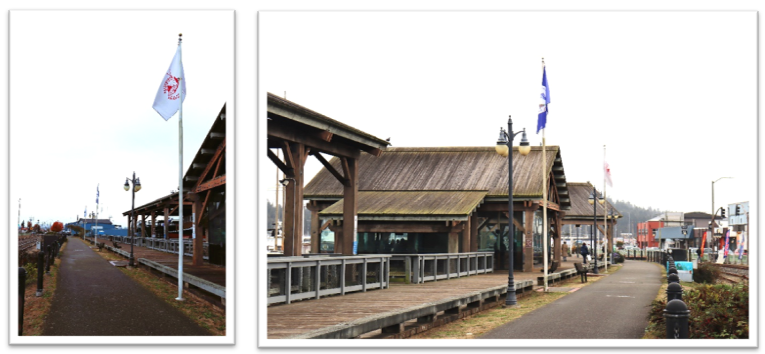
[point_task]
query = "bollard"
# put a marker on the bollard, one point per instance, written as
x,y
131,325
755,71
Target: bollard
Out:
x,y
676,316
22,283
40,266
47,260
673,278
672,270
674,292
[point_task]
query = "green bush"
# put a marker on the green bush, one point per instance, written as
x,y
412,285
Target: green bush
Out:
x,y
31,269
717,311
706,274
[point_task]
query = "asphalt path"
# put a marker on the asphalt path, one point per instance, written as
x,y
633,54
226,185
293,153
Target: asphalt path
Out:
x,y
94,298
614,307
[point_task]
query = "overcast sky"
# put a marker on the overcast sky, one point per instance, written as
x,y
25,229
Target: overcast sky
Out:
x,y
82,85
672,95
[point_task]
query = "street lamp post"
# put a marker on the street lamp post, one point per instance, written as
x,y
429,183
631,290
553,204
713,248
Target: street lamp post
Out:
x,y
591,200
504,147
137,187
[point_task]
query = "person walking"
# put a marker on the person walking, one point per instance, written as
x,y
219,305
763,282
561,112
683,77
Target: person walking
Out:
x,y
575,250
564,251
584,252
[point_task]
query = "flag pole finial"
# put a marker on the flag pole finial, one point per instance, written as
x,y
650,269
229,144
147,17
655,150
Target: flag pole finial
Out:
x,y
180,38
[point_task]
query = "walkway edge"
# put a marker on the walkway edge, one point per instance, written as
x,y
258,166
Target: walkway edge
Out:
x,y
205,285
370,323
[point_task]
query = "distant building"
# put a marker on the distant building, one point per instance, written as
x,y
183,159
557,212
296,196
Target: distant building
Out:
x,y
104,225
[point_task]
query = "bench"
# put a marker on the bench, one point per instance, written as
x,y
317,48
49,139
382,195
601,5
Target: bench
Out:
x,y
552,267
582,270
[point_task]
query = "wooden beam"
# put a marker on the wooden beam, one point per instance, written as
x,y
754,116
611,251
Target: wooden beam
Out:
x,y
344,181
280,131
207,197
215,182
218,153
326,136
278,162
288,160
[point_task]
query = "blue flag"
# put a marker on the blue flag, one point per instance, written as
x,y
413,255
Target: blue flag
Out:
x,y
97,193
542,121
85,213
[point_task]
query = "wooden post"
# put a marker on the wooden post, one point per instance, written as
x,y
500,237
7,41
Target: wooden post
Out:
x,y
166,211
293,216
350,191
473,233
315,224
528,242
143,225
153,224
197,243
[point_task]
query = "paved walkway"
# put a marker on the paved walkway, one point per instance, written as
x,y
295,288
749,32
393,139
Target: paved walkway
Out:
x,y
93,298
615,307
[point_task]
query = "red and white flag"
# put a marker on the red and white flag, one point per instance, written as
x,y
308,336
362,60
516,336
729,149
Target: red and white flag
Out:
x,y
168,98
607,173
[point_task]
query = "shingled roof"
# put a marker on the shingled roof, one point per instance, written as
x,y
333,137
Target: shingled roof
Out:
x,y
447,169
580,207
411,205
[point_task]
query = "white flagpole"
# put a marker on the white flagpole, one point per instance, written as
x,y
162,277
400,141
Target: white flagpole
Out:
x,y
180,184
544,193
605,212
96,228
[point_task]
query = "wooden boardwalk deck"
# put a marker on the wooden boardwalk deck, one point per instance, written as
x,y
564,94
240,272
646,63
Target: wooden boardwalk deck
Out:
x,y
212,273
307,318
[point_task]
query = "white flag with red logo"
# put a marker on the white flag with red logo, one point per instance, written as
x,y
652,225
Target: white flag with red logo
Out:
x,y
167,101
607,172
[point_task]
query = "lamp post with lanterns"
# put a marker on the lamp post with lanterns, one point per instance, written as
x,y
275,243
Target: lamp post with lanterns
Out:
x,y
504,147
136,187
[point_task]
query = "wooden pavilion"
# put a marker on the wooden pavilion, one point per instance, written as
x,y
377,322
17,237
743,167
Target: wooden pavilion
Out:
x,y
204,202
445,200
300,132
581,212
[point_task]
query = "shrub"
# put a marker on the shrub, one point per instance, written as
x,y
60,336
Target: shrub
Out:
x,y
717,311
618,258
706,274
31,269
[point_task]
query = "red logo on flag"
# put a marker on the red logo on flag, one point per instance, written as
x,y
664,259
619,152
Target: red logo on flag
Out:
x,y
171,87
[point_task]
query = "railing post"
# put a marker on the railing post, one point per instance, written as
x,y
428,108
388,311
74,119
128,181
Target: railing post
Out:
x,y
22,283
407,270
416,268
318,279
676,316
448,266
387,272
40,266
342,277
364,276
288,284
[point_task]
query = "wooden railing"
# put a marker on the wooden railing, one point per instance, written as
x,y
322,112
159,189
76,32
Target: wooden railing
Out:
x,y
419,268
161,244
297,278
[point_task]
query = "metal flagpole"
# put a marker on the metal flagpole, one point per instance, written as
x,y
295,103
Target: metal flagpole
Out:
x,y
180,183
544,194
605,212
95,237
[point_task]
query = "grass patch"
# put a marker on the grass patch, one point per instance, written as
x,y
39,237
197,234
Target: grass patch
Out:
x,y
485,321
198,310
36,309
